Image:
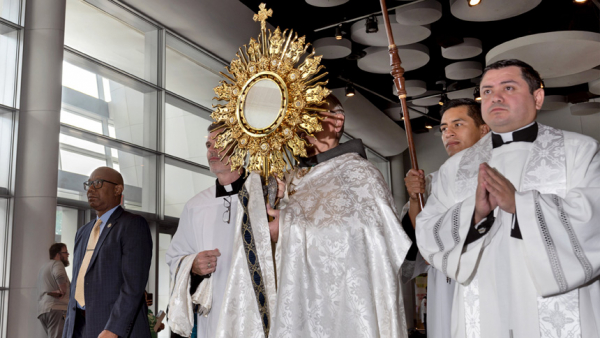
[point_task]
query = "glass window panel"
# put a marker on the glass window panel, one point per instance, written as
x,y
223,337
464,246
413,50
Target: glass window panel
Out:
x,y
10,10
76,142
129,115
106,86
137,167
80,79
78,163
114,36
381,163
181,185
4,231
82,122
9,39
191,73
66,227
164,240
186,132
6,149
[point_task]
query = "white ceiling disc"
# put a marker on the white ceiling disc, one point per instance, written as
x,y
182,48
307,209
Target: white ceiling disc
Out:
x,y
326,3
554,102
469,48
463,70
331,48
585,108
594,87
412,87
461,94
419,13
403,35
428,101
552,54
377,59
491,10
573,79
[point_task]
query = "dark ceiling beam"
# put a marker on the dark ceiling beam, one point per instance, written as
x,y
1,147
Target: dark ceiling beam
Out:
x,y
364,16
386,98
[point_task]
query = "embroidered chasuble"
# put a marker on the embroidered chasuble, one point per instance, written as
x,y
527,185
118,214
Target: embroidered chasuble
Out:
x,y
338,257
532,274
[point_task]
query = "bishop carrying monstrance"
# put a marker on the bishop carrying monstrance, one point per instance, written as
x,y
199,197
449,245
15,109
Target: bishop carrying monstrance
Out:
x,y
327,263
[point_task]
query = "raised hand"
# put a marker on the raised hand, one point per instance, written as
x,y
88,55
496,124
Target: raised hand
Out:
x,y
415,184
274,224
484,201
499,187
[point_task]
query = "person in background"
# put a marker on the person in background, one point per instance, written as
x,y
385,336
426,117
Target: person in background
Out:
x,y
152,317
110,267
53,291
461,127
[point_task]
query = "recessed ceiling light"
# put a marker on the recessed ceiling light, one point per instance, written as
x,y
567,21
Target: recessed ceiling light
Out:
x,y
349,90
476,94
443,100
473,2
371,24
338,32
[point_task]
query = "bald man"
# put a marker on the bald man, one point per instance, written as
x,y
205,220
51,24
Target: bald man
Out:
x,y
110,266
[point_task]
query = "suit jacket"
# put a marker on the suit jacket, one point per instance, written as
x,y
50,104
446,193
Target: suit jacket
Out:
x,y
115,279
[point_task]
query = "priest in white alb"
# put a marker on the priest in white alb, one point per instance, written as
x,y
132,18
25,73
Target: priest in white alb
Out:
x,y
515,220
200,252
461,127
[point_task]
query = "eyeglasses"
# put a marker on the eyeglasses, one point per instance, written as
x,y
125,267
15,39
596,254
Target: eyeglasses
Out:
x,y
97,184
66,252
227,213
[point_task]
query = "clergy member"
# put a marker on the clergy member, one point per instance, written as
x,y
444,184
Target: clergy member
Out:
x,y
340,244
206,230
461,127
514,219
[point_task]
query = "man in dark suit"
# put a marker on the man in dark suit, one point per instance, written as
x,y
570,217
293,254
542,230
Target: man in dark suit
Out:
x,y
110,266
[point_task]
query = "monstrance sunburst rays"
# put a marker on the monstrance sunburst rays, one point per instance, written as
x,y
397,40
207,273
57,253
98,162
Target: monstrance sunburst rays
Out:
x,y
283,58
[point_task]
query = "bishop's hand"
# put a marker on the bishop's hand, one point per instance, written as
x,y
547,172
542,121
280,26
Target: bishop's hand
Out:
x,y
274,224
499,187
485,202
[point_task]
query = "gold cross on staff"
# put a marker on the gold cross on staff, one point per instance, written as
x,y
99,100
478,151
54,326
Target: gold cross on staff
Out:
x,y
262,15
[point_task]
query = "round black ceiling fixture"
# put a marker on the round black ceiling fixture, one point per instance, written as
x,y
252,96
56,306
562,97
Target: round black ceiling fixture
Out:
x,y
371,24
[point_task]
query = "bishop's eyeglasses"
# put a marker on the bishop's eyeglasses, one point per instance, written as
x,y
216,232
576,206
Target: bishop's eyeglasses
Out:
x,y
97,184
227,205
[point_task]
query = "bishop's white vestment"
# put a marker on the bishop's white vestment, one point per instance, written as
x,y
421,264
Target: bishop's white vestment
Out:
x,y
338,256
339,253
203,226
440,288
532,274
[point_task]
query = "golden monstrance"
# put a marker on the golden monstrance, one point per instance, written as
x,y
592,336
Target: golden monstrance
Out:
x,y
272,92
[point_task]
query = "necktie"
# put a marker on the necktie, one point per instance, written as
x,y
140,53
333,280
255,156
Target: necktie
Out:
x,y
91,245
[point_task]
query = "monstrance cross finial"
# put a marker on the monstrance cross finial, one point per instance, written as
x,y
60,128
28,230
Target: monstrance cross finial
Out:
x,y
262,15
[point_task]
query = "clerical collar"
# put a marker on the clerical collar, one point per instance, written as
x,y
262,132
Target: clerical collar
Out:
x,y
231,189
352,146
525,134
